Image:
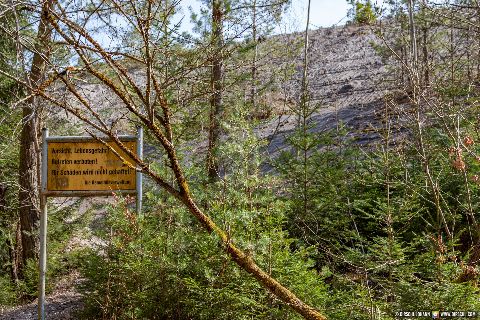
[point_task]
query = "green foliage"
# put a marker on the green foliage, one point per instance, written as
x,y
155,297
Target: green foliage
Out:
x,y
165,267
315,170
371,217
7,293
9,120
60,261
162,267
363,12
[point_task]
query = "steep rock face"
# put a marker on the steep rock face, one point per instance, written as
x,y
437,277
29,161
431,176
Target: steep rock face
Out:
x,y
347,81
344,67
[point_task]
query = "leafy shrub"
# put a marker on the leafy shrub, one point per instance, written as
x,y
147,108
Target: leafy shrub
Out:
x,y
164,267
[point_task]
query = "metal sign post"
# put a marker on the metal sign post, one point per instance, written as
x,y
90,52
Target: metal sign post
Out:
x,y
139,177
82,167
42,267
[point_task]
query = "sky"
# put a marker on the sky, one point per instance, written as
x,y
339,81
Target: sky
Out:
x,y
323,13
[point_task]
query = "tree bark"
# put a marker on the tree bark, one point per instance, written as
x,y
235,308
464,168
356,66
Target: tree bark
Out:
x,y
3,194
426,71
478,43
254,60
216,103
29,200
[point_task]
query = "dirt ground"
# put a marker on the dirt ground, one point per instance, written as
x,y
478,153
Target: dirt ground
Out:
x,y
59,306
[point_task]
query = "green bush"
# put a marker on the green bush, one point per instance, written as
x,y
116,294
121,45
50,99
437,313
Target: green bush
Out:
x,y
8,294
362,12
163,267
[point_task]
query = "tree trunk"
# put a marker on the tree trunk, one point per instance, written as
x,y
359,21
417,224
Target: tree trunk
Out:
x,y
29,200
216,103
426,71
3,195
254,60
478,43
413,37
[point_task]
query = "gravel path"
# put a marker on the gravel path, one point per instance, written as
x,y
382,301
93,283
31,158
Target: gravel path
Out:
x,y
62,304
59,306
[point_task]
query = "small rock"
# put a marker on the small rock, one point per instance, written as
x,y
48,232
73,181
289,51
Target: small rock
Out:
x,y
346,88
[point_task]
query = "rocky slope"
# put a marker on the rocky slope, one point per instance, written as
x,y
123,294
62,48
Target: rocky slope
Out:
x,y
347,82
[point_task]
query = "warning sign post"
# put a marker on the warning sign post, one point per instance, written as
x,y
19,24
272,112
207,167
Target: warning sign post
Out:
x,y
80,167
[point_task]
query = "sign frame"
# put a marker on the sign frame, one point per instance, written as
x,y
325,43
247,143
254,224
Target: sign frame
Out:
x,y
45,193
89,193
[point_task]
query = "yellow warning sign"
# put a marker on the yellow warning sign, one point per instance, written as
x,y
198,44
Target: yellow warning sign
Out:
x,y
89,166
